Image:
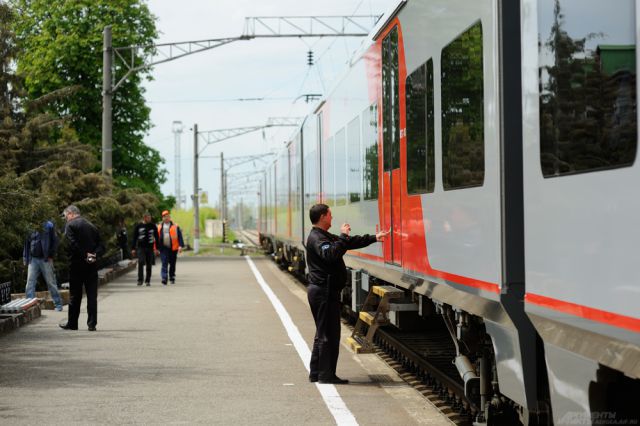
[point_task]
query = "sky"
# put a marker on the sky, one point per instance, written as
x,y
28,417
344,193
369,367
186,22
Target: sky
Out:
x,y
202,88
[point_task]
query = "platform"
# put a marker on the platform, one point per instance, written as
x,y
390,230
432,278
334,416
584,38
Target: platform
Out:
x,y
211,349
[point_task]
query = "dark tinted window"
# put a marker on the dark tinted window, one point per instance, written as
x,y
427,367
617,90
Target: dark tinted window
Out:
x,y
462,111
370,152
390,98
420,134
587,85
354,163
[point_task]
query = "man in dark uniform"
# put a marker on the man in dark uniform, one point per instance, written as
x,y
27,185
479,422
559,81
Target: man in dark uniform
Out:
x,y
327,278
144,243
85,247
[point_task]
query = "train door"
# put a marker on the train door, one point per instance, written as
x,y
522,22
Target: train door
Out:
x,y
391,200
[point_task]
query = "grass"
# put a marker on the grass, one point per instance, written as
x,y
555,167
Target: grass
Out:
x,y
184,218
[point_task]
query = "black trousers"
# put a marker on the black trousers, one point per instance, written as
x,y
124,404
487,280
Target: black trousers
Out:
x,y
83,276
145,258
325,309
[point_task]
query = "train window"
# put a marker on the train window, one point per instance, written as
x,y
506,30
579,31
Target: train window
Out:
x,y
354,164
420,133
462,111
390,99
329,188
310,167
587,57
370,152
340,161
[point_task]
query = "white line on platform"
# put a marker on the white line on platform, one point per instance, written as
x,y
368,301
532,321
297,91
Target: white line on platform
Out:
x,y
330,395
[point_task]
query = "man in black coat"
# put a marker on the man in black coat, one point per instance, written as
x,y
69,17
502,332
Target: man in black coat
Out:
x,y
327,278
144,243
84,247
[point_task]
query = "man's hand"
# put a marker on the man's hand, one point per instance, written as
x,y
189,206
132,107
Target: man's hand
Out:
x,y
380,236
179,249
50,259
157,252
345,228
133,253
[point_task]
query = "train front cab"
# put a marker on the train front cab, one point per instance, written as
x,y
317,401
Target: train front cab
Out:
x,y
581,178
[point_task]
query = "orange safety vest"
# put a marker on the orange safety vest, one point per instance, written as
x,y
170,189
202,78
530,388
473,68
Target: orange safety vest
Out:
x,y
173,235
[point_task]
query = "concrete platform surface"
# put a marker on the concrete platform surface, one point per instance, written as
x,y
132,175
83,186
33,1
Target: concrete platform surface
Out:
x,y
209,350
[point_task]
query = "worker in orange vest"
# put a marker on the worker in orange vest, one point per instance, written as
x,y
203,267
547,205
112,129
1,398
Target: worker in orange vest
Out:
x,y
171,243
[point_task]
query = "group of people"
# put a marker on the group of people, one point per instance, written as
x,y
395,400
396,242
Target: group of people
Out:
x,y
150,240
85,247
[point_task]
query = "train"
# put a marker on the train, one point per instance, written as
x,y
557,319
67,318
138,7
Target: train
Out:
x,y
496,140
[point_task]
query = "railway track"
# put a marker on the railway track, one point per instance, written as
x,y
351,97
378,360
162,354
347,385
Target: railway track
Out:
x,y
424,360
249,236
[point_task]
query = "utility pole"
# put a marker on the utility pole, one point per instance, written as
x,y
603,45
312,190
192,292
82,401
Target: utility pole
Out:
x,y
196,195
177,128
222,186
107,94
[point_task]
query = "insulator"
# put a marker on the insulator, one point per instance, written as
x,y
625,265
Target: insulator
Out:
x,y
310,58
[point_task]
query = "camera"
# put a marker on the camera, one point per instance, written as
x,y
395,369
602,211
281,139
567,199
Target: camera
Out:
x,y
91,258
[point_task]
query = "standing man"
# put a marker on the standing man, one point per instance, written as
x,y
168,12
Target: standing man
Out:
x,y
327,278
171,244
85,247
39,249
144,243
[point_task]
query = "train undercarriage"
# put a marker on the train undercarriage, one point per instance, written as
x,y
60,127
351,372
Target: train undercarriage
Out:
x,y
446,348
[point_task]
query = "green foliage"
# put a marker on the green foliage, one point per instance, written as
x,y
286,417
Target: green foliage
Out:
x,y
62,48
44,168
184,218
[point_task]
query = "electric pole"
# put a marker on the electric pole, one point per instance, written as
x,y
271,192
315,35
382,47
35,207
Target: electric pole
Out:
x,y
177,128
107,93
196,195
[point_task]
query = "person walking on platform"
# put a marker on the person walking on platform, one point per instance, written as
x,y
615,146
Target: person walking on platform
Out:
x,y
327,278
85,246
171,243
39,249
144,242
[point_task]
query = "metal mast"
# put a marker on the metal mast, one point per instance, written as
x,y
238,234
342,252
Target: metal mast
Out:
x,y
177,128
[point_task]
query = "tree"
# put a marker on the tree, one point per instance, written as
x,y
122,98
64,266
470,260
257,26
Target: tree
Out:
x,y
62,47
44,168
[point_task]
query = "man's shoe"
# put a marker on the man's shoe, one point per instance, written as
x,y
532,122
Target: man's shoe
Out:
x,y
164,282
335,380
59,308
148,284
172,281
139,282
66,326
92,328
313,378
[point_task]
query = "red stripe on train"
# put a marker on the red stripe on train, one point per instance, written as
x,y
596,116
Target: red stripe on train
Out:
x,y
597,315
458,279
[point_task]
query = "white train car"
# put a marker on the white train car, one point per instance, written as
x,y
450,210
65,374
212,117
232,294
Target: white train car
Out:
x,y
497,141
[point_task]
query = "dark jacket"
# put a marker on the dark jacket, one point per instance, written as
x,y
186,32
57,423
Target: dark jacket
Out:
x,y
324,257
83,237
46,238
145,235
